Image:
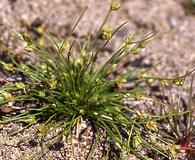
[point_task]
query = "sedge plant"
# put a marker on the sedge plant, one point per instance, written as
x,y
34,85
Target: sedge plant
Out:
x,y
179,130
68,85
177,122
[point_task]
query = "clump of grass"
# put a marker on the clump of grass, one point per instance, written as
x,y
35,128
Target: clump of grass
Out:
x,y
176,125
67,85
179,129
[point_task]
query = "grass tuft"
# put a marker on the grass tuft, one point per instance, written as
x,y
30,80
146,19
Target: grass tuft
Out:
x,y
67,86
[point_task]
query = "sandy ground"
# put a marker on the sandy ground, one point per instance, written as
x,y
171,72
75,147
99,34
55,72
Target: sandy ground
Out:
x,y
176,46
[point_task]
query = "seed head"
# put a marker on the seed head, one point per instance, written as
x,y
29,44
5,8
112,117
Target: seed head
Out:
x,y
30,48
115,5
20,85
141,76
66,46
7,95
137,140
142,44
106,28
24,67
41,42
83,53
112,68
107,35
179,82
129,40
42,94
25,37
107,32
78,62
8,66
135,50
53,82
39,30
152,125
164,82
